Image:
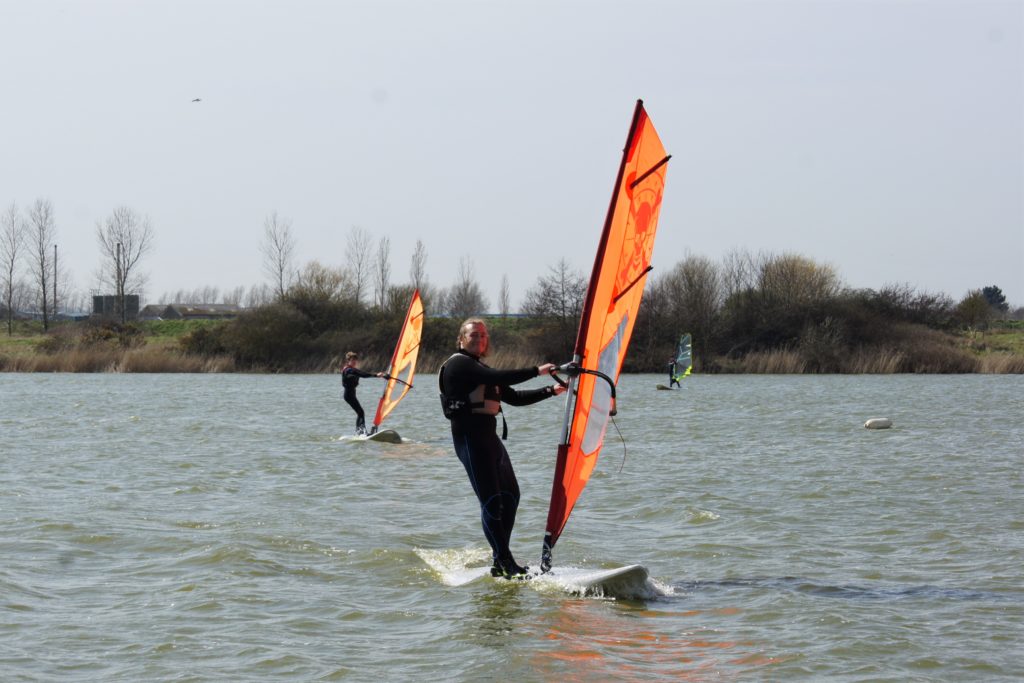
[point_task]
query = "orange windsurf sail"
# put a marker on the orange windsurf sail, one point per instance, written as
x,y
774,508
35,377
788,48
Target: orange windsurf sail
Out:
x,y
609,313
403,362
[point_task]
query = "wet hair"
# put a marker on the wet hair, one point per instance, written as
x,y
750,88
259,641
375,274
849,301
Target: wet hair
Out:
x,y
462,328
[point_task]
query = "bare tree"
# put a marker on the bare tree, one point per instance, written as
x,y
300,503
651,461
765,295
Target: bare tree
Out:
x,y
259,295
199,295
739,271
695,295
382,278
418,277
503,296
206,295
557,295
418,267
12,240
125,238
278,252
398,299
42,231
797,280
465,298
73,300
357,256
234,296
63,294
319,283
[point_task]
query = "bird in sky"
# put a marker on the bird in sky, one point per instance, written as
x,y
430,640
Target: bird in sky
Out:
x,y
197,100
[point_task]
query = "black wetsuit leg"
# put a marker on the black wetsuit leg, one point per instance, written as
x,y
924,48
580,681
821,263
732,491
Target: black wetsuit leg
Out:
x,y
350,398
494,482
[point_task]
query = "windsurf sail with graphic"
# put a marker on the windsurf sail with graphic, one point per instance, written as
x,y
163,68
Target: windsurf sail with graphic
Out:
x,y
609,313
684,358
403,362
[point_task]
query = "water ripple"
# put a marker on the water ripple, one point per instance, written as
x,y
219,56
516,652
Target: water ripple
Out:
x,y
217,528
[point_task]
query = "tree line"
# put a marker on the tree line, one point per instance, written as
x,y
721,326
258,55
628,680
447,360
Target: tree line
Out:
x,y
34,280
748,305
744,307
33,277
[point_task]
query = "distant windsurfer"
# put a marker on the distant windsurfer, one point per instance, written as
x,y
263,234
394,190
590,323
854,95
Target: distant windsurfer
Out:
x,y
471,396
350,375
672,379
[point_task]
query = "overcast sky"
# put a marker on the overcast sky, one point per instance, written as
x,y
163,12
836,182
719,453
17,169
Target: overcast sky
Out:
x,y
882,137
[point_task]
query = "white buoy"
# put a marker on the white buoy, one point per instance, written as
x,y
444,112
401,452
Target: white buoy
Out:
x,y
878,423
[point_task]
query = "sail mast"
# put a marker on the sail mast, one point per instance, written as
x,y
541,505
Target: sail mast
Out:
x,y
609,313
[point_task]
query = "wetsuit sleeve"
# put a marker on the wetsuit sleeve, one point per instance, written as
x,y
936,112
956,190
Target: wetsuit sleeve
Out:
x,y
361,373
525,397
462,374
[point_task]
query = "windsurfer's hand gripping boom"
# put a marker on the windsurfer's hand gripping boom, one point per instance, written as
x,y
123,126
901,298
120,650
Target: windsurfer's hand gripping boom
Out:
x,y
397,379
573,369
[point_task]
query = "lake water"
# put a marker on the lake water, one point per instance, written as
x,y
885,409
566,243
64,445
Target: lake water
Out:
x,y
215,527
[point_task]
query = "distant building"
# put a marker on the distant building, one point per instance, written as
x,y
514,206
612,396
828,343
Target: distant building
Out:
x,y
190,312
109,306
152,312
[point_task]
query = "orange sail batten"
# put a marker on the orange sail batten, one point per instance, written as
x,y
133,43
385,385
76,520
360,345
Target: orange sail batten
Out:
x,y
609,314
403,361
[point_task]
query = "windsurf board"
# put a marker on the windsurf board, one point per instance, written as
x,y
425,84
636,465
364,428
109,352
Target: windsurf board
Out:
x,y
383,436
629,581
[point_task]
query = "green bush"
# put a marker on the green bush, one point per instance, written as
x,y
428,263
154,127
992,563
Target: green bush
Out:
x,y
203,341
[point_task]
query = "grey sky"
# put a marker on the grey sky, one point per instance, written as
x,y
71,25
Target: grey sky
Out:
x,y
885,138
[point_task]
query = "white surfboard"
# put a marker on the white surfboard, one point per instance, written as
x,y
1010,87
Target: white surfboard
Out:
x,y
628,581
631,581
383,436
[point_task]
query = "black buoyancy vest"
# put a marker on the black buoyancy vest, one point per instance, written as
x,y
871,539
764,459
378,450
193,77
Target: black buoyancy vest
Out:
x,y
476,402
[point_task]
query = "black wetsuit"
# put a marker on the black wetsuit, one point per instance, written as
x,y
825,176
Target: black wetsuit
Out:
x,y
464,378
349,381
672,381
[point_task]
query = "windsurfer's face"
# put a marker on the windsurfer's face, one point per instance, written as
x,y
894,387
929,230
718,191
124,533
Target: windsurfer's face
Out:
x,y
474,339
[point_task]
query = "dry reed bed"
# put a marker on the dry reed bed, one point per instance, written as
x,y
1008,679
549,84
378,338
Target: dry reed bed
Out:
x,y
142,360
927,357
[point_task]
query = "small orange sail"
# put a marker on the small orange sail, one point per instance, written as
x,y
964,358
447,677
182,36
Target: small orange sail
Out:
x,y
609,313
403,362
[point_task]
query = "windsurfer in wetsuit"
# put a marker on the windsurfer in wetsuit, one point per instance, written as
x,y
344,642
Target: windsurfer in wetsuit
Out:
x,y
471,396
350,375
672,381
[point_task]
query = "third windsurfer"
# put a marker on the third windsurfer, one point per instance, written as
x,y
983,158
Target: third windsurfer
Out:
x,y
471,396
672,380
